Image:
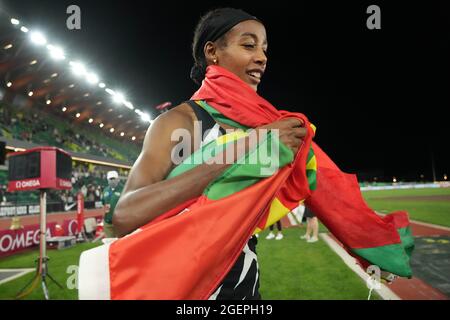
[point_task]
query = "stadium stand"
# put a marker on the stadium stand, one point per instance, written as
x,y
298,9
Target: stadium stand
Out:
x,y
46,129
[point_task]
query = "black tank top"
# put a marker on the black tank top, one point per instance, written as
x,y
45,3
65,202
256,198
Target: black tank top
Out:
x,y
242,281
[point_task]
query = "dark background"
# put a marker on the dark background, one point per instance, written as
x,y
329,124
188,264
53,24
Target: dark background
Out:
x,y
377,97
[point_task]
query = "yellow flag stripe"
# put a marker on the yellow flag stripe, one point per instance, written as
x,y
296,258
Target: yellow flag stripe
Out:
x,y
233,136
312,164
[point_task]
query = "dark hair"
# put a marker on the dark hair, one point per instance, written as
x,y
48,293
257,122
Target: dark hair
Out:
x,y
213,26
199,69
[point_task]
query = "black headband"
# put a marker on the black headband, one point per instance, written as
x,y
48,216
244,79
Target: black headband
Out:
x,y
221,24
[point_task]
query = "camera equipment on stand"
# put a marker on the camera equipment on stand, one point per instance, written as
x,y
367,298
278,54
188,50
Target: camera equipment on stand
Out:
x,y
42,169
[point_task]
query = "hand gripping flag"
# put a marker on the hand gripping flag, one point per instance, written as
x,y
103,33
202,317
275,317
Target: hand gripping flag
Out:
x,y
186,252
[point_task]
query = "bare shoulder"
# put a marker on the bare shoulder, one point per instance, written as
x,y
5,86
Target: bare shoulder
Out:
x,y
179,117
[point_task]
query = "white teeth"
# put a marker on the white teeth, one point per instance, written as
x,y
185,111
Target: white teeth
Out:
x,y
255,74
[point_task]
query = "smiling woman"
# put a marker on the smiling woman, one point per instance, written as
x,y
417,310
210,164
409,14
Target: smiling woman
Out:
x,y
241,50
227,43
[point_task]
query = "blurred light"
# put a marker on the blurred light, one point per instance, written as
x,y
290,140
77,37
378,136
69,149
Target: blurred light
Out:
x,y
101,125
77,115
101,85
78,68
110,91
445,177
122,134
54,75
145,117
24,29
30,93
8,46
38,38
46,81
99,103
92,78
119,98
86,94
48,101
64,109
129,105
91,120
33,62
111,130
9,84
15,21
56,52
133,138
394,179
72,85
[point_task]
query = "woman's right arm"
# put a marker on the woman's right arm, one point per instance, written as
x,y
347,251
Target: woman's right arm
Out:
x,y
146,194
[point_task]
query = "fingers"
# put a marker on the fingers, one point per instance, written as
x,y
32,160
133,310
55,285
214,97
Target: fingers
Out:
x,y
299,132
294,122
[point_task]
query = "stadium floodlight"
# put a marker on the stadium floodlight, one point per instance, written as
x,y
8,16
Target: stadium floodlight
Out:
x,y
92,78
15,21
91,120
145,117
133,138
101,85
122,134
119,98
24,29
38,38
30,93
111,130
64,109
9,84
129,105
110,91
78,115
78,68
56,53
48,101
101,125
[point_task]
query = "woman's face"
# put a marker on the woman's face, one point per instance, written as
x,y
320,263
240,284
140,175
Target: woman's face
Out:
x,y
245,52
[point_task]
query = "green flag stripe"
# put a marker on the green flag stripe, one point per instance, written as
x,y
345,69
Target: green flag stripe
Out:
x,y
220,117
242,175
394,257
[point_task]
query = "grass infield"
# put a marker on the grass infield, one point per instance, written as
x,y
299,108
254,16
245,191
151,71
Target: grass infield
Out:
x,y
426,205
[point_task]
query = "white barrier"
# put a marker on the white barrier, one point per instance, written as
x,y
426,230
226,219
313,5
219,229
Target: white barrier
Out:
x,y
397,186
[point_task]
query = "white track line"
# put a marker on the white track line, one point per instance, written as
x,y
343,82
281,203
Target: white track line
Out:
x,y
22,273
384,291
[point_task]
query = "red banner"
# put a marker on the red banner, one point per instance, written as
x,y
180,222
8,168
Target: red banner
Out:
x,y
12,241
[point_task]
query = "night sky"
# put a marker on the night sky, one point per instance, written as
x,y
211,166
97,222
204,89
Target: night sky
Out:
x,y
377,97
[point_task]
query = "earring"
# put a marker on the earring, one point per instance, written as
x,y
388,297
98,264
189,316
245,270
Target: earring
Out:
x,y
215,61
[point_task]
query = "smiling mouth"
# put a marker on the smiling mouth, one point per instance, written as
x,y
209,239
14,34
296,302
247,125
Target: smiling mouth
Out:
x,y
255,76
